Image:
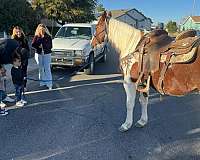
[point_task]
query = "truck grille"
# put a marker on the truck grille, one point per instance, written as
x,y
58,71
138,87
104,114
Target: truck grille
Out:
x,y
64,53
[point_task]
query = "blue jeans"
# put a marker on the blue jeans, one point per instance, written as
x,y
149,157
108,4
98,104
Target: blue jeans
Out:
x,y
18,92
44,61
2,95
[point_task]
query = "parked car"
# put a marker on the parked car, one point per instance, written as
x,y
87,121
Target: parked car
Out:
x,y
3,35
71,47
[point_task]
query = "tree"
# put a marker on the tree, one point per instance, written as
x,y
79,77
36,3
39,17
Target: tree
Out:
x,y
67,10
171,27
100,8
17,12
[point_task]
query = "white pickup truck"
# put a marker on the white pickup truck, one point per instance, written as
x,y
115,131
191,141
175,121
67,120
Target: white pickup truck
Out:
x,y
71,47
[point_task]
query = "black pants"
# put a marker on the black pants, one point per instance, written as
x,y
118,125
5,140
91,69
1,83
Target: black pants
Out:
x,y
24,68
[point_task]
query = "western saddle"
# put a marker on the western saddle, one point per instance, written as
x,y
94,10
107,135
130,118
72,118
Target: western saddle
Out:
x,y
158,46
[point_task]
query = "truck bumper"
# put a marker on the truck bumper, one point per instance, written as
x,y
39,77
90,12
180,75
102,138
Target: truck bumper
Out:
x,y
63,61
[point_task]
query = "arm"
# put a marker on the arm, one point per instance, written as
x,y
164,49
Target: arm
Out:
x,y
26,44
49,42
36,42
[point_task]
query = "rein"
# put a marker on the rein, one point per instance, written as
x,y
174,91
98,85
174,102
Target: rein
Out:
x,y
105,30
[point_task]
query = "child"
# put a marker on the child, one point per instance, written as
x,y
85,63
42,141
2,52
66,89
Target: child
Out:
x,y
3,95
18,80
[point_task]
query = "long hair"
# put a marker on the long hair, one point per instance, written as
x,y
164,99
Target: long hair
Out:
x,y
14,32
44,28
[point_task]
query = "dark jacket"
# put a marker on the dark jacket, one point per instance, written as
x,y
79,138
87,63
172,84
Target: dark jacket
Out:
x,y
46,42
17,76
22,42
7,48
24,48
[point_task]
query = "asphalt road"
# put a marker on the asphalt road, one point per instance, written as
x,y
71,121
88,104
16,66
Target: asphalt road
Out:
x,y
79,120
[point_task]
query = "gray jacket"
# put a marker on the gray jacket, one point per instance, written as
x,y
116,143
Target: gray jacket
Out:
x,y
2,83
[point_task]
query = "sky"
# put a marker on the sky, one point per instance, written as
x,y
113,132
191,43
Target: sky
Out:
x,y
157,10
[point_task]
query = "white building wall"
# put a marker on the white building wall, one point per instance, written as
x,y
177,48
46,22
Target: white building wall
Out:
x,y
127,19
143,22
147,24
131,17
136,15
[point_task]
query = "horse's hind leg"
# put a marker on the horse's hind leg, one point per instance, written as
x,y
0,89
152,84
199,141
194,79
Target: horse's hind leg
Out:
x,y
144,103
130,89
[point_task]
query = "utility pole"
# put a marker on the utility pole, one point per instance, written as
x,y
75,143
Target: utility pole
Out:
x,y
193,8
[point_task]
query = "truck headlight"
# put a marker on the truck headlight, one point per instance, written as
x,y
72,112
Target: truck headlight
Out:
x,y
79,53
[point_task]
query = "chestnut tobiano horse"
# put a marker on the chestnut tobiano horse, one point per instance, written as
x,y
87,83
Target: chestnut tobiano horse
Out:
x,y
177,64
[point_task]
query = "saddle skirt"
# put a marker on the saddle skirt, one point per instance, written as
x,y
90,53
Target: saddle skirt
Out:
x,y
182,58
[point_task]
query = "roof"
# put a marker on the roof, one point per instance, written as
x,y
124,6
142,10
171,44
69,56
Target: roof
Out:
x,y
118,13
196,19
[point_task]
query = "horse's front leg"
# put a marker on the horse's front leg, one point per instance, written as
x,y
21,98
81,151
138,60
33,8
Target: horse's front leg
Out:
x,y
144,103
130,90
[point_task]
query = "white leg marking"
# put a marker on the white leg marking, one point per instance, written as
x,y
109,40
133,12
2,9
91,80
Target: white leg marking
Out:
x,y
130,90
144,117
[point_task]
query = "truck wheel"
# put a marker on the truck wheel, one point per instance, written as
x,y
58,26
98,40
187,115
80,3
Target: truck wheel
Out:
x,y
90,68
104,58
52,68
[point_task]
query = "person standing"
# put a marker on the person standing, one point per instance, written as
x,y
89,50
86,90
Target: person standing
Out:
x,y
42,42
17,74
3,95
19,36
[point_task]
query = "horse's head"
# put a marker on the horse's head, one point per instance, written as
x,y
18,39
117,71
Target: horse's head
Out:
x,y
101,30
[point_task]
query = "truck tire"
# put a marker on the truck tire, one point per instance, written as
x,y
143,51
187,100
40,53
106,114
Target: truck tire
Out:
x,y
104,58
90,68
52,67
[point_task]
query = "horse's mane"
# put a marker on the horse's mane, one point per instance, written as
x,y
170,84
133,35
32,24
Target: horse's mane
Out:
x,y
123,37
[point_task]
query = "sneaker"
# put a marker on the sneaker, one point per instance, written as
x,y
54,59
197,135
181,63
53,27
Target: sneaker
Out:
x,y
19,104
42,84
23,101
49,87
2,105
3,112
8,99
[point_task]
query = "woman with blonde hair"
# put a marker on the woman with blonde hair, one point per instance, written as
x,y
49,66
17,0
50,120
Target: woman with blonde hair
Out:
x,y
42,42
19,36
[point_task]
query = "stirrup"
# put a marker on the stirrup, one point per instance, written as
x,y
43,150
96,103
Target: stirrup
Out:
x,y
142,85
146,88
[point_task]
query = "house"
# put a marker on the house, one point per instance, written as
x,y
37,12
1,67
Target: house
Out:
x,y
191,22
132,17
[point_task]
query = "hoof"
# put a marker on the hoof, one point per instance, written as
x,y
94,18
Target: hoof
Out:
x,y
138,125
122,129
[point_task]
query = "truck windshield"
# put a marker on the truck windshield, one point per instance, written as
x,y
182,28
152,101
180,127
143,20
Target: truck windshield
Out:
x,y
74,32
